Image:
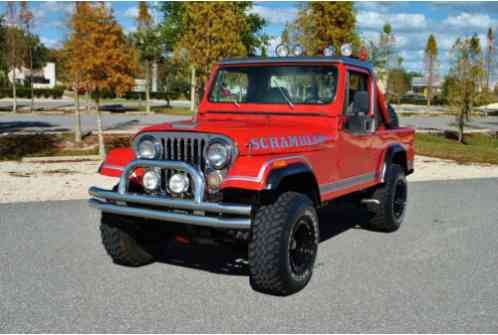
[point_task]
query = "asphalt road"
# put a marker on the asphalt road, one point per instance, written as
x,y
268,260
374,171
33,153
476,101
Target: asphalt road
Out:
x,y
448,122
40,123
438,273
49,104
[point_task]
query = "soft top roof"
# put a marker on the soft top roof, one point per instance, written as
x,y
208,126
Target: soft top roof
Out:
x,y
298,59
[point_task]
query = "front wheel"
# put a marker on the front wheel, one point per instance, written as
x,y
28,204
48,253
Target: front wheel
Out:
x,y
124,241
284,244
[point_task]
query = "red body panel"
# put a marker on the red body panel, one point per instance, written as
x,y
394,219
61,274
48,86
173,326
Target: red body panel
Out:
x,y
266,135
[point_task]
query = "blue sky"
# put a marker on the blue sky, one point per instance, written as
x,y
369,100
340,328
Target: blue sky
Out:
x,y
412,22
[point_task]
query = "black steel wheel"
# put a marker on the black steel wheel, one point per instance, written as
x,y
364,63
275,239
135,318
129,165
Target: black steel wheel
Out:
x,y
302,247
392,196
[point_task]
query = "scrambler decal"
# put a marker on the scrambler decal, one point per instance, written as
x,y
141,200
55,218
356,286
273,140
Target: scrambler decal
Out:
x,y
291,141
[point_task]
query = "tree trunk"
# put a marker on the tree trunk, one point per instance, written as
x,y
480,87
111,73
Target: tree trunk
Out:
x,y
147,86
77,128
31,106
461,125
100,131
192,91
429,86
14,98
88,101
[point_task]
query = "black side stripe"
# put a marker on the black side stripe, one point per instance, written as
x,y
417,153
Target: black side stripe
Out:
x,y
347,183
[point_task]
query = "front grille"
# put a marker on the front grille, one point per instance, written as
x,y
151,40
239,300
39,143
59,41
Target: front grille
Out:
x,y
187,148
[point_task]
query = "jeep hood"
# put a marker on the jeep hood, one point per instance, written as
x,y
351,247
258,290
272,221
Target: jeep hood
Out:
x,y
263,135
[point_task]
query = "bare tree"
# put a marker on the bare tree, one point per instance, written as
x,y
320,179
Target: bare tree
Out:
x,y
15,47
466,72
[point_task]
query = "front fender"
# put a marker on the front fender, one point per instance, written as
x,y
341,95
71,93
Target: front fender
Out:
x,y
254,172
115,161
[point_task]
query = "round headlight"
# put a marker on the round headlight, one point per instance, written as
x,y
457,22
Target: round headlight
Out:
x,y
148,148
178,183
152,180
218,154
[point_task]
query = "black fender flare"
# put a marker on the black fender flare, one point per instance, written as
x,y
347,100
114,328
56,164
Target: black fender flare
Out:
x,y
276,176
392,151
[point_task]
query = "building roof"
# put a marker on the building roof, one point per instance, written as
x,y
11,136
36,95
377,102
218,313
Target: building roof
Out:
x,y
298,59
422,82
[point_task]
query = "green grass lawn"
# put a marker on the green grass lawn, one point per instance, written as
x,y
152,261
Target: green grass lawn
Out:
x,y
478,148
16,147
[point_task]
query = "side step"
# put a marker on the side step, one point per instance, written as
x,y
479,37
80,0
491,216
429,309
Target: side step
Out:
x,y
370,202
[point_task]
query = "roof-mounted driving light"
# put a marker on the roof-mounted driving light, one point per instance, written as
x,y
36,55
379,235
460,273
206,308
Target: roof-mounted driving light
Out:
x,y
346,50
282,50
329,51
363,54
297,50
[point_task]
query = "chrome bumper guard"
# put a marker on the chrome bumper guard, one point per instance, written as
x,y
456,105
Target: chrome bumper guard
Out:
x,y
116,202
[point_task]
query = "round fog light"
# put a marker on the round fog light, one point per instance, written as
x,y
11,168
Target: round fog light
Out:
x,y
151,180
214,180
178,183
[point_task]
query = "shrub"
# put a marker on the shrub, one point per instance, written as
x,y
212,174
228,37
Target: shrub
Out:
x,y
25,92
19,146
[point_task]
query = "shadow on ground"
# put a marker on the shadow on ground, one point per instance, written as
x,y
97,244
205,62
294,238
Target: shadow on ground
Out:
x,y
232,260
11,127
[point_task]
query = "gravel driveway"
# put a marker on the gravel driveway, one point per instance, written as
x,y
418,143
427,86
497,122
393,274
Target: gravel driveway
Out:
x,y
70,179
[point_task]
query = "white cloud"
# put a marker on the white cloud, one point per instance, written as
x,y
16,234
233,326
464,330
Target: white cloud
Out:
x,y
50,42
469,21
131,12
399,22
275,15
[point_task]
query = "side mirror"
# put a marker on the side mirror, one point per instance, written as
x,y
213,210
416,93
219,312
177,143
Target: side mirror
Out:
x,y
358,120
361,103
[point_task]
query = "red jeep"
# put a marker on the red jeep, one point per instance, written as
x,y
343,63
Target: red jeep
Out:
x,y
274,140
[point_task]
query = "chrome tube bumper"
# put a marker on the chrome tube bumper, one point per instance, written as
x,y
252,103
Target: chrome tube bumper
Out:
x,y
174,209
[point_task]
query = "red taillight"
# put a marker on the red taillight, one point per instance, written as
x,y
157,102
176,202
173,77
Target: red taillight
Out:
x,y
182,239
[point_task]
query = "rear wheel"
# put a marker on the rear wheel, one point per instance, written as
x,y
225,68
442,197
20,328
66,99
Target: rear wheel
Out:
x,y
125,242
283,245
392,196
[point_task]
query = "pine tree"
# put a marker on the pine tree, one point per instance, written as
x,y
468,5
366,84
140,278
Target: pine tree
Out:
x,y
75,57
322,24
431,53
489,57
213,31
148,42
26,17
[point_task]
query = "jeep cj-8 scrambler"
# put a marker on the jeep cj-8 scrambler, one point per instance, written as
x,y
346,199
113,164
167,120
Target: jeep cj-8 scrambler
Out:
x,y
274,140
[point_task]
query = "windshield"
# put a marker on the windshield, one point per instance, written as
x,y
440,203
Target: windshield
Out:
x,y
275,85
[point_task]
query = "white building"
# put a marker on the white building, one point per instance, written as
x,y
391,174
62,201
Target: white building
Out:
x,y
42,78
140,83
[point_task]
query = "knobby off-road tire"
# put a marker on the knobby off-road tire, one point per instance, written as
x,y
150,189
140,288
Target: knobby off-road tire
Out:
x,y
392,196
124,241
284,244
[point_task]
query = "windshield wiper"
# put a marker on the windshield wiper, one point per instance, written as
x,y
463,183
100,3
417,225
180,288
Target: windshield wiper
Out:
x,y
289,102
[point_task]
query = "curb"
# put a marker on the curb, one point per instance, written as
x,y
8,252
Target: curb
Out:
x,y
61,158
